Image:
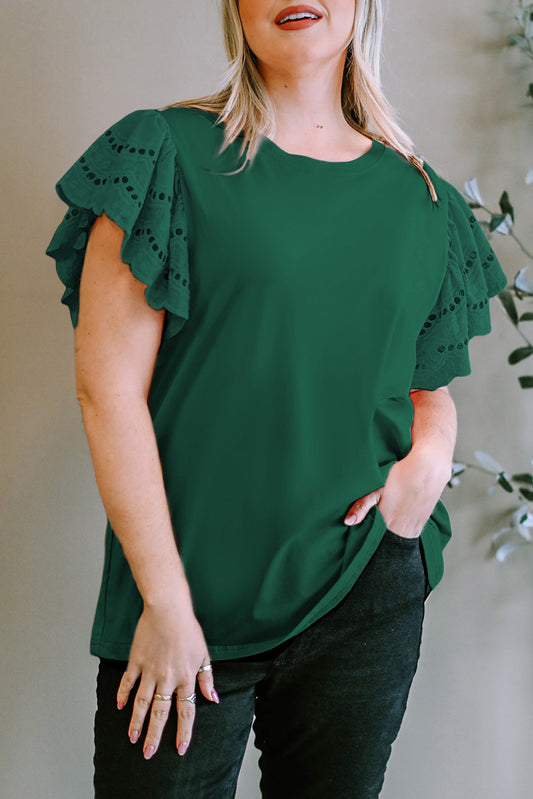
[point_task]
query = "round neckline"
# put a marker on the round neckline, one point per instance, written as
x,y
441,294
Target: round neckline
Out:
x,y
367,159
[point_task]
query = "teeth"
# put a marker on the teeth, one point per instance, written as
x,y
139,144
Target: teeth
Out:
x,y
302,15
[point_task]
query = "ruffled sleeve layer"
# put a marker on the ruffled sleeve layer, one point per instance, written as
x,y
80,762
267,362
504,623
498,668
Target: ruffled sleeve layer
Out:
x,y
461,311
131,172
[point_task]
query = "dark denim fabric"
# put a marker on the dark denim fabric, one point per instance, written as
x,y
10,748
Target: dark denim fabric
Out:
x,y
328,703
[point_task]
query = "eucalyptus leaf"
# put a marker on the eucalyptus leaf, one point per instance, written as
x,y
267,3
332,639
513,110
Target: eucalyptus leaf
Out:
x,y
504,482
507,300
523,477
524,518
506,549
502,535
520,530
488,462
520,41
520,354
525,531
458,467
523,12
501,223
472,190
522,282
505,541
505,205
527,21
520,515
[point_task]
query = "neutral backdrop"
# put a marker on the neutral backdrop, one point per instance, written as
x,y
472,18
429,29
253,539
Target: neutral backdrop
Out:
x,y
69,69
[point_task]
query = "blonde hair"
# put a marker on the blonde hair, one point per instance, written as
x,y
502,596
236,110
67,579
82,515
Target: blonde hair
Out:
x,y
243,103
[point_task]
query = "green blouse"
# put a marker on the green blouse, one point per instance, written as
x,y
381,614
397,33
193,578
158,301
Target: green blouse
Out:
x,y
304,299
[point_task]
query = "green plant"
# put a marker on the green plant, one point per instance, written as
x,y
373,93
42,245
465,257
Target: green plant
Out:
x,y
518,530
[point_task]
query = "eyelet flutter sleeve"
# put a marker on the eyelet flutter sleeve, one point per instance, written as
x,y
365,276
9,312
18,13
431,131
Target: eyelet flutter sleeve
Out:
x,y
131,172
472,276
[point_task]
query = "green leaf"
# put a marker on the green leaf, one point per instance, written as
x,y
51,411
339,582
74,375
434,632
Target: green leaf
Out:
x,y
504,482
507,300
502,224
526,493
526,381
523,477
505,205
520,354
496,220
527,316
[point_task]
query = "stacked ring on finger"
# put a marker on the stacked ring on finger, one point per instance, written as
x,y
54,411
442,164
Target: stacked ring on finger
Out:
x,y
191,698
163,697
209,667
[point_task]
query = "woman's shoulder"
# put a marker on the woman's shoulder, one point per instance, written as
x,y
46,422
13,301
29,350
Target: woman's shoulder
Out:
x,y
183,119
143,130
449,196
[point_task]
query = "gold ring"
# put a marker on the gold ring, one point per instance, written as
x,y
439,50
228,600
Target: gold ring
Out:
x,y
163,697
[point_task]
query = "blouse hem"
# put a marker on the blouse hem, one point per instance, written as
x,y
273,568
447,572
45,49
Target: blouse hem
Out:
x,y
120,651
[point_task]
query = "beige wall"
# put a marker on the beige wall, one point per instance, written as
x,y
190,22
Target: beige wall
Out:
x,y
69,70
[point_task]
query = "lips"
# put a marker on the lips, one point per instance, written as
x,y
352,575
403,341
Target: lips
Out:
x,y
296,10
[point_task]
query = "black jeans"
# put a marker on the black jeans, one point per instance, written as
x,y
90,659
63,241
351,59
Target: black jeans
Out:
x,y
328,703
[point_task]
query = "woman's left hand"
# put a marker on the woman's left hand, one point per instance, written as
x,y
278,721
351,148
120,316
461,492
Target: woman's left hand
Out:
x,y
413,487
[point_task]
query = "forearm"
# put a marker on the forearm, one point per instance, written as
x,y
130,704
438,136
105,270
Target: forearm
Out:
x,y
434,428
129,478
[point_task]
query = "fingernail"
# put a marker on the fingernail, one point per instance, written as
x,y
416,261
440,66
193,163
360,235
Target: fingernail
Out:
x,y
148,752
351,518
215,696
182,747
134,737
120,704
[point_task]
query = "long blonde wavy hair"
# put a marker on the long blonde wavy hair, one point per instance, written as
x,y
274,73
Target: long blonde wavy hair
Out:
x,y
243,104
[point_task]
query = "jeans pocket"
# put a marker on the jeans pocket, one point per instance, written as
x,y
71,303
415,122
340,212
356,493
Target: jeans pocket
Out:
x,y
403,559
410,541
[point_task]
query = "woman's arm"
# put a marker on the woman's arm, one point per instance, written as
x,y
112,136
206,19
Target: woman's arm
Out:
x,y
415,483
116,342
434,425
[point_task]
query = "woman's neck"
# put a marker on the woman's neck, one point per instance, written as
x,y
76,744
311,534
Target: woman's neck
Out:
x,y
309,117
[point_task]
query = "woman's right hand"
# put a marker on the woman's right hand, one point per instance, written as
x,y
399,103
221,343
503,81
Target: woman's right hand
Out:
x,y
168,649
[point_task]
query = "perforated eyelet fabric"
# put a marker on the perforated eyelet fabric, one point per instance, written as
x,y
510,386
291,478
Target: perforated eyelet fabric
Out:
x,y
131,172
461,311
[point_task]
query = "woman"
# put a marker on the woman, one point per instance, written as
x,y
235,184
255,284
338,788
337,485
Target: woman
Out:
x,y
263,347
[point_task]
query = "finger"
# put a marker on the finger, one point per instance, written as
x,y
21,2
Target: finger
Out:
x,y
143,700
129,678
207,684
360,507
186,716
161,704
